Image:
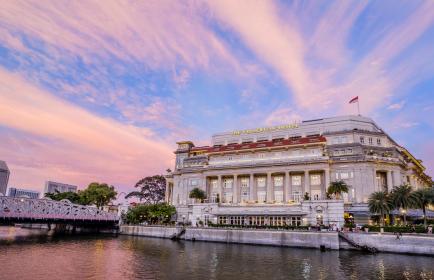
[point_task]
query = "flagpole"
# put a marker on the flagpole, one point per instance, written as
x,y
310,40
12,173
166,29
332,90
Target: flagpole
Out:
x,y
358,107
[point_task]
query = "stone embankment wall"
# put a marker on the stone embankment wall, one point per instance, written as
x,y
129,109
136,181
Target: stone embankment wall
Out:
x,y
329,240
406,244
409,244
162,232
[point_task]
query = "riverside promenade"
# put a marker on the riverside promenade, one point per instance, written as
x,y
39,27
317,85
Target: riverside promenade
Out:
x,y
421,244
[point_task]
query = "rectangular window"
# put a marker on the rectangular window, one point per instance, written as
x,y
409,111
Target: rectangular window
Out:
x,y
193,182
227,197
296,221
315,179
244,195
262,196
228,183
296,180
244,183
370,140
278,196
378,141
296,196
278,181
362,139
261,181
213,184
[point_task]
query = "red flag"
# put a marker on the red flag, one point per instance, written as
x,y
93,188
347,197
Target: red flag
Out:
x,y
354,100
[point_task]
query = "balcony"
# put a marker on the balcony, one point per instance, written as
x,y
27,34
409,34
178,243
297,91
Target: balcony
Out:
x,y
267,161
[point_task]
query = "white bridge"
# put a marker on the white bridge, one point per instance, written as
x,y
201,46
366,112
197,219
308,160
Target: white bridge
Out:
x,y
28,210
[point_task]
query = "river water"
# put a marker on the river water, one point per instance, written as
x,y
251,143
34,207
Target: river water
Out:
x,y
30,254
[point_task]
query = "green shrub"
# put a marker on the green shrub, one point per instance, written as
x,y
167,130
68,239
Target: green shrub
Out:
x,y
400,229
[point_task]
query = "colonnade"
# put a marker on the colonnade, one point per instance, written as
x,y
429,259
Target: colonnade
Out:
x,y
287,188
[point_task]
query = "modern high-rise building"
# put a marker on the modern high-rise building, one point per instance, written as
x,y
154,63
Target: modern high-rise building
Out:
x,y
280,174
4,177
52,187
14,192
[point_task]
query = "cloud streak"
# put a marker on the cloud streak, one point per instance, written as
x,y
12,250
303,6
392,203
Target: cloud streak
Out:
x,y
85,143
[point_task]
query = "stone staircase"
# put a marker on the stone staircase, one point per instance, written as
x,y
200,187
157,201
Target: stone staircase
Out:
x,y
177,236
353,243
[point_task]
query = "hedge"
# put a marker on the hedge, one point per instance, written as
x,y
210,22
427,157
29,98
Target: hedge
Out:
x,y
401,229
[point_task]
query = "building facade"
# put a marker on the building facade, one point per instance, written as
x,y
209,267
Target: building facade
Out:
x,y
280,174
52,187
4,177
14,192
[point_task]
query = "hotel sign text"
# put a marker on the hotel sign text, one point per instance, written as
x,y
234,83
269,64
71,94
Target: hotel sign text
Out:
x,y
263,129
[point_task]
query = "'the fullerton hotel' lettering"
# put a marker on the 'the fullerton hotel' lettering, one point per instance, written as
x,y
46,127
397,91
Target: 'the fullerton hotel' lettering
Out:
x,y
262,129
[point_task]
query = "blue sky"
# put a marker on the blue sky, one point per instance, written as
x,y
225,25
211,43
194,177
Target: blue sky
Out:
x,y
102,90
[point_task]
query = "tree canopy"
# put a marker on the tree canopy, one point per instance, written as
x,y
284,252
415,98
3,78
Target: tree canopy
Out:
x,y
379,203
337,188
401,198
95,193
197,194
159,213
422,198
98,194
71,196
151,190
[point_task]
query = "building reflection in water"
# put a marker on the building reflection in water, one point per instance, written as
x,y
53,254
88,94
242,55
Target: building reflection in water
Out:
x,y
98,257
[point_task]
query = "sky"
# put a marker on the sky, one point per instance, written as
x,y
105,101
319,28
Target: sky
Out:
x,y
102,90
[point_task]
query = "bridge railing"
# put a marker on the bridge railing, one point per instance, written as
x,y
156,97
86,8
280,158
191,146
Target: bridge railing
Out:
x,y
50,209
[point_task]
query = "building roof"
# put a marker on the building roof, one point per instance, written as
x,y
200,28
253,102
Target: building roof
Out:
x,y
3,165
261,145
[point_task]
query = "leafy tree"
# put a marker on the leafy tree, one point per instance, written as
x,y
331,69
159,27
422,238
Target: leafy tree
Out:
x,y
151,189
71,196
422,198
379,203
337,188
159,213
197,193
98,194
401,198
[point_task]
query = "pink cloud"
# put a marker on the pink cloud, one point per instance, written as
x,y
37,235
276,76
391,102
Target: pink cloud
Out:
x,y
157,33
77,146
275,42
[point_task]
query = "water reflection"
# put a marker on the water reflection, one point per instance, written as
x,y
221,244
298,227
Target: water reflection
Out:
x,y
98,257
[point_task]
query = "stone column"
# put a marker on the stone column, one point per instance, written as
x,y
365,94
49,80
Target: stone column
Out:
x,y
286,188
326,182
252,189
306,183
220,188
389,181
235,190
397,178
166,194
270,193
376,187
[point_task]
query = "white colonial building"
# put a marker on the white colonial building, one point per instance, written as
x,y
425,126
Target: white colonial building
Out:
x,y
279,175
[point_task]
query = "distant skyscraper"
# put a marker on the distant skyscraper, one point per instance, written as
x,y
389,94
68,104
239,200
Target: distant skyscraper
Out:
x,y
14,192
52,187
4,177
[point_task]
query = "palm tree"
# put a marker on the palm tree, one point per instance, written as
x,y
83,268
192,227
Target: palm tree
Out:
x,y
402,199
379,203
422,198
337,188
